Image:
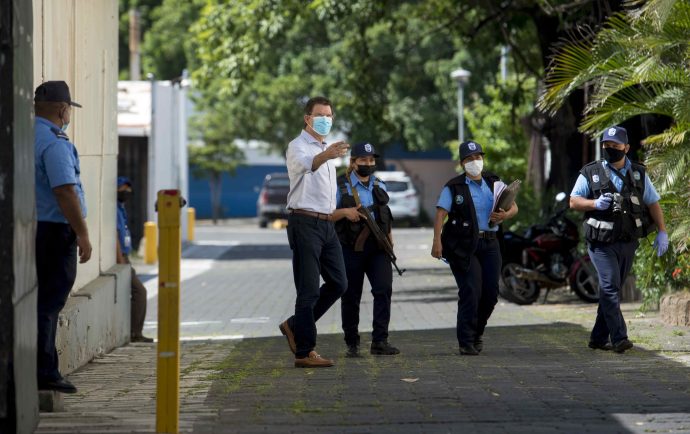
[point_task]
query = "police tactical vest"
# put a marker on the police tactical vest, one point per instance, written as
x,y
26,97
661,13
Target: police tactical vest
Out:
x,y
626,221
349,231
460,234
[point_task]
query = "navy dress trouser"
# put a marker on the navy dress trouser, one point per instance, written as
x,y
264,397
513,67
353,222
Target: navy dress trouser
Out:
x,y
316,252
613,263
477,291
376,265
56,268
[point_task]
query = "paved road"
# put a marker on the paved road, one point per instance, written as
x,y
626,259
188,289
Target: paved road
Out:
x,y
535,375
237,282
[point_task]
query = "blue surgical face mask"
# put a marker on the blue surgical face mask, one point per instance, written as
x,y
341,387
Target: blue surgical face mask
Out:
x,y
64,126
322,125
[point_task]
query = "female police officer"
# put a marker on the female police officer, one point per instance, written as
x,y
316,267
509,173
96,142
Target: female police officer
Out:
x,y
468,242
362,253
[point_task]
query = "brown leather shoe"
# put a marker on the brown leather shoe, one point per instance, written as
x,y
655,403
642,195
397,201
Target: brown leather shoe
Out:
x,y
313,360
285,330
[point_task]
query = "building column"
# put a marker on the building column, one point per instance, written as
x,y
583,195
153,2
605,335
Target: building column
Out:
x,y
18,395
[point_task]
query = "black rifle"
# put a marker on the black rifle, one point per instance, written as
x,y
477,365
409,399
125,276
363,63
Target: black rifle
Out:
x,y
382,238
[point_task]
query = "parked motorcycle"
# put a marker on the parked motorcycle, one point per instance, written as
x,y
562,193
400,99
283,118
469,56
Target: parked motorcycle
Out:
x,y
546,257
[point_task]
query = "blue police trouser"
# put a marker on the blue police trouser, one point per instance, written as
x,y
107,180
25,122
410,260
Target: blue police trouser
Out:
x,y
613,263
315,251
56,267
477,291
375,263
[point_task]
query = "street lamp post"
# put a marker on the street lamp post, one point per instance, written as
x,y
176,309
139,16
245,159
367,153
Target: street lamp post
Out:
x,y
461,76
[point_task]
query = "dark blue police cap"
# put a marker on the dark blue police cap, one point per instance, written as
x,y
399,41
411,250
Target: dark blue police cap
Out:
x,y
615,134
364,150
123,180
54,91
470,148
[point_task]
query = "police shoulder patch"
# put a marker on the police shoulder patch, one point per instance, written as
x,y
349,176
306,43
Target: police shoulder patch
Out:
x,y
59,133
636,175
595,178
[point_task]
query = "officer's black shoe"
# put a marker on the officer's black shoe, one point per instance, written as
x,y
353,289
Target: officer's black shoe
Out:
x,y
352,351
468,350
597,346
622,346
141,338
60,385
479,344
383,349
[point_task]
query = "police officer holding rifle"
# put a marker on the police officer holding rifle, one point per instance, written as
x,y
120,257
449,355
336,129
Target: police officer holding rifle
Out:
x,y
367,248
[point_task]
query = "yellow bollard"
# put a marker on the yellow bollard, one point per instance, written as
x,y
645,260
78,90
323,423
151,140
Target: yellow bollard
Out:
x,y
151,237
169,250
191,222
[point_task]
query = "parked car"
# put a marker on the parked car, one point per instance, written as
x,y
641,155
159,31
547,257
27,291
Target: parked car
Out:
x,y
272,202
404,199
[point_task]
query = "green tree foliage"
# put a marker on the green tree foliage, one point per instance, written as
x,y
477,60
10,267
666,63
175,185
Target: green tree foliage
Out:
x,y
638,64
384,64
167,48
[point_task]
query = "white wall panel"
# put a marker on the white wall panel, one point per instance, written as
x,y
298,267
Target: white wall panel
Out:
x,y
108,211
76,41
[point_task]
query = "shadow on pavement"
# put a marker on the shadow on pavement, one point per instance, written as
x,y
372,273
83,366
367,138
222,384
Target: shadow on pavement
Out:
x,y
529,379
240,252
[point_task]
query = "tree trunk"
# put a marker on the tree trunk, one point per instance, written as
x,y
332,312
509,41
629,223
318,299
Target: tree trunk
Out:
x,y
215,183
569,148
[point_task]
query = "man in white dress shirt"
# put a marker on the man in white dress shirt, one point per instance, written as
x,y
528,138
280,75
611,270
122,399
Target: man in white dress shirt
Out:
x,y
315,247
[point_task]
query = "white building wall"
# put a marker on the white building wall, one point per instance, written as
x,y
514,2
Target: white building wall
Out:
x,y
76,41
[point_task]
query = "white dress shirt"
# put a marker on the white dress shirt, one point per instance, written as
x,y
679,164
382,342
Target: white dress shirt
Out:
x,y
310,190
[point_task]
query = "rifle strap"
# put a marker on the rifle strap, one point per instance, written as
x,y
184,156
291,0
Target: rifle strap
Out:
x,y
362,237
354,192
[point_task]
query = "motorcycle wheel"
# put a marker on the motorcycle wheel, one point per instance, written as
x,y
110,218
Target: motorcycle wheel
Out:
x,y
585,281
518,291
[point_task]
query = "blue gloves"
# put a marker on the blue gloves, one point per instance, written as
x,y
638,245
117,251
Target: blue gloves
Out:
x,y
603,202
661,243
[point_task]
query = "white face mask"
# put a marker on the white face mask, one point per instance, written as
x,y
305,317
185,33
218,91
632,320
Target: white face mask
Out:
x,y
474,167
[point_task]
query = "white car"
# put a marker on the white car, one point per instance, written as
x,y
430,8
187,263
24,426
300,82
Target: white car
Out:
x,y
404,199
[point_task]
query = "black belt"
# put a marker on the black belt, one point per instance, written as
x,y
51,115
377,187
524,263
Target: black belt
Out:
x,y
316,215
487,235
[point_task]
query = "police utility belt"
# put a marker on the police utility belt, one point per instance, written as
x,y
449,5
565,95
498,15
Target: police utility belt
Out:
x,y
487,235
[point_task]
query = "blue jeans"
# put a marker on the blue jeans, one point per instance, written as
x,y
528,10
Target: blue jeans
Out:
x,y
56,267
613,263
376,265
477,291
316,252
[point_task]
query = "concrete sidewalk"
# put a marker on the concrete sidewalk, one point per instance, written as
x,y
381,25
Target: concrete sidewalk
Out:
x,y
535,375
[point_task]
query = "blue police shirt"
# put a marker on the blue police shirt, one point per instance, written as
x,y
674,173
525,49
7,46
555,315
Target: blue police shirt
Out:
x,y
123,234
650,197
482,198
57,163
365,192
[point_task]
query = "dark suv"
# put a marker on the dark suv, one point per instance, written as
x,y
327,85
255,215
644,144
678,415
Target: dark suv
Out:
x,y
272,202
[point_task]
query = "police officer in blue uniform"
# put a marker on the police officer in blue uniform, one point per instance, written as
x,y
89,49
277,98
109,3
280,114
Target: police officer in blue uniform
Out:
x,y
468,241
61,231
124,247
363,256
621,205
